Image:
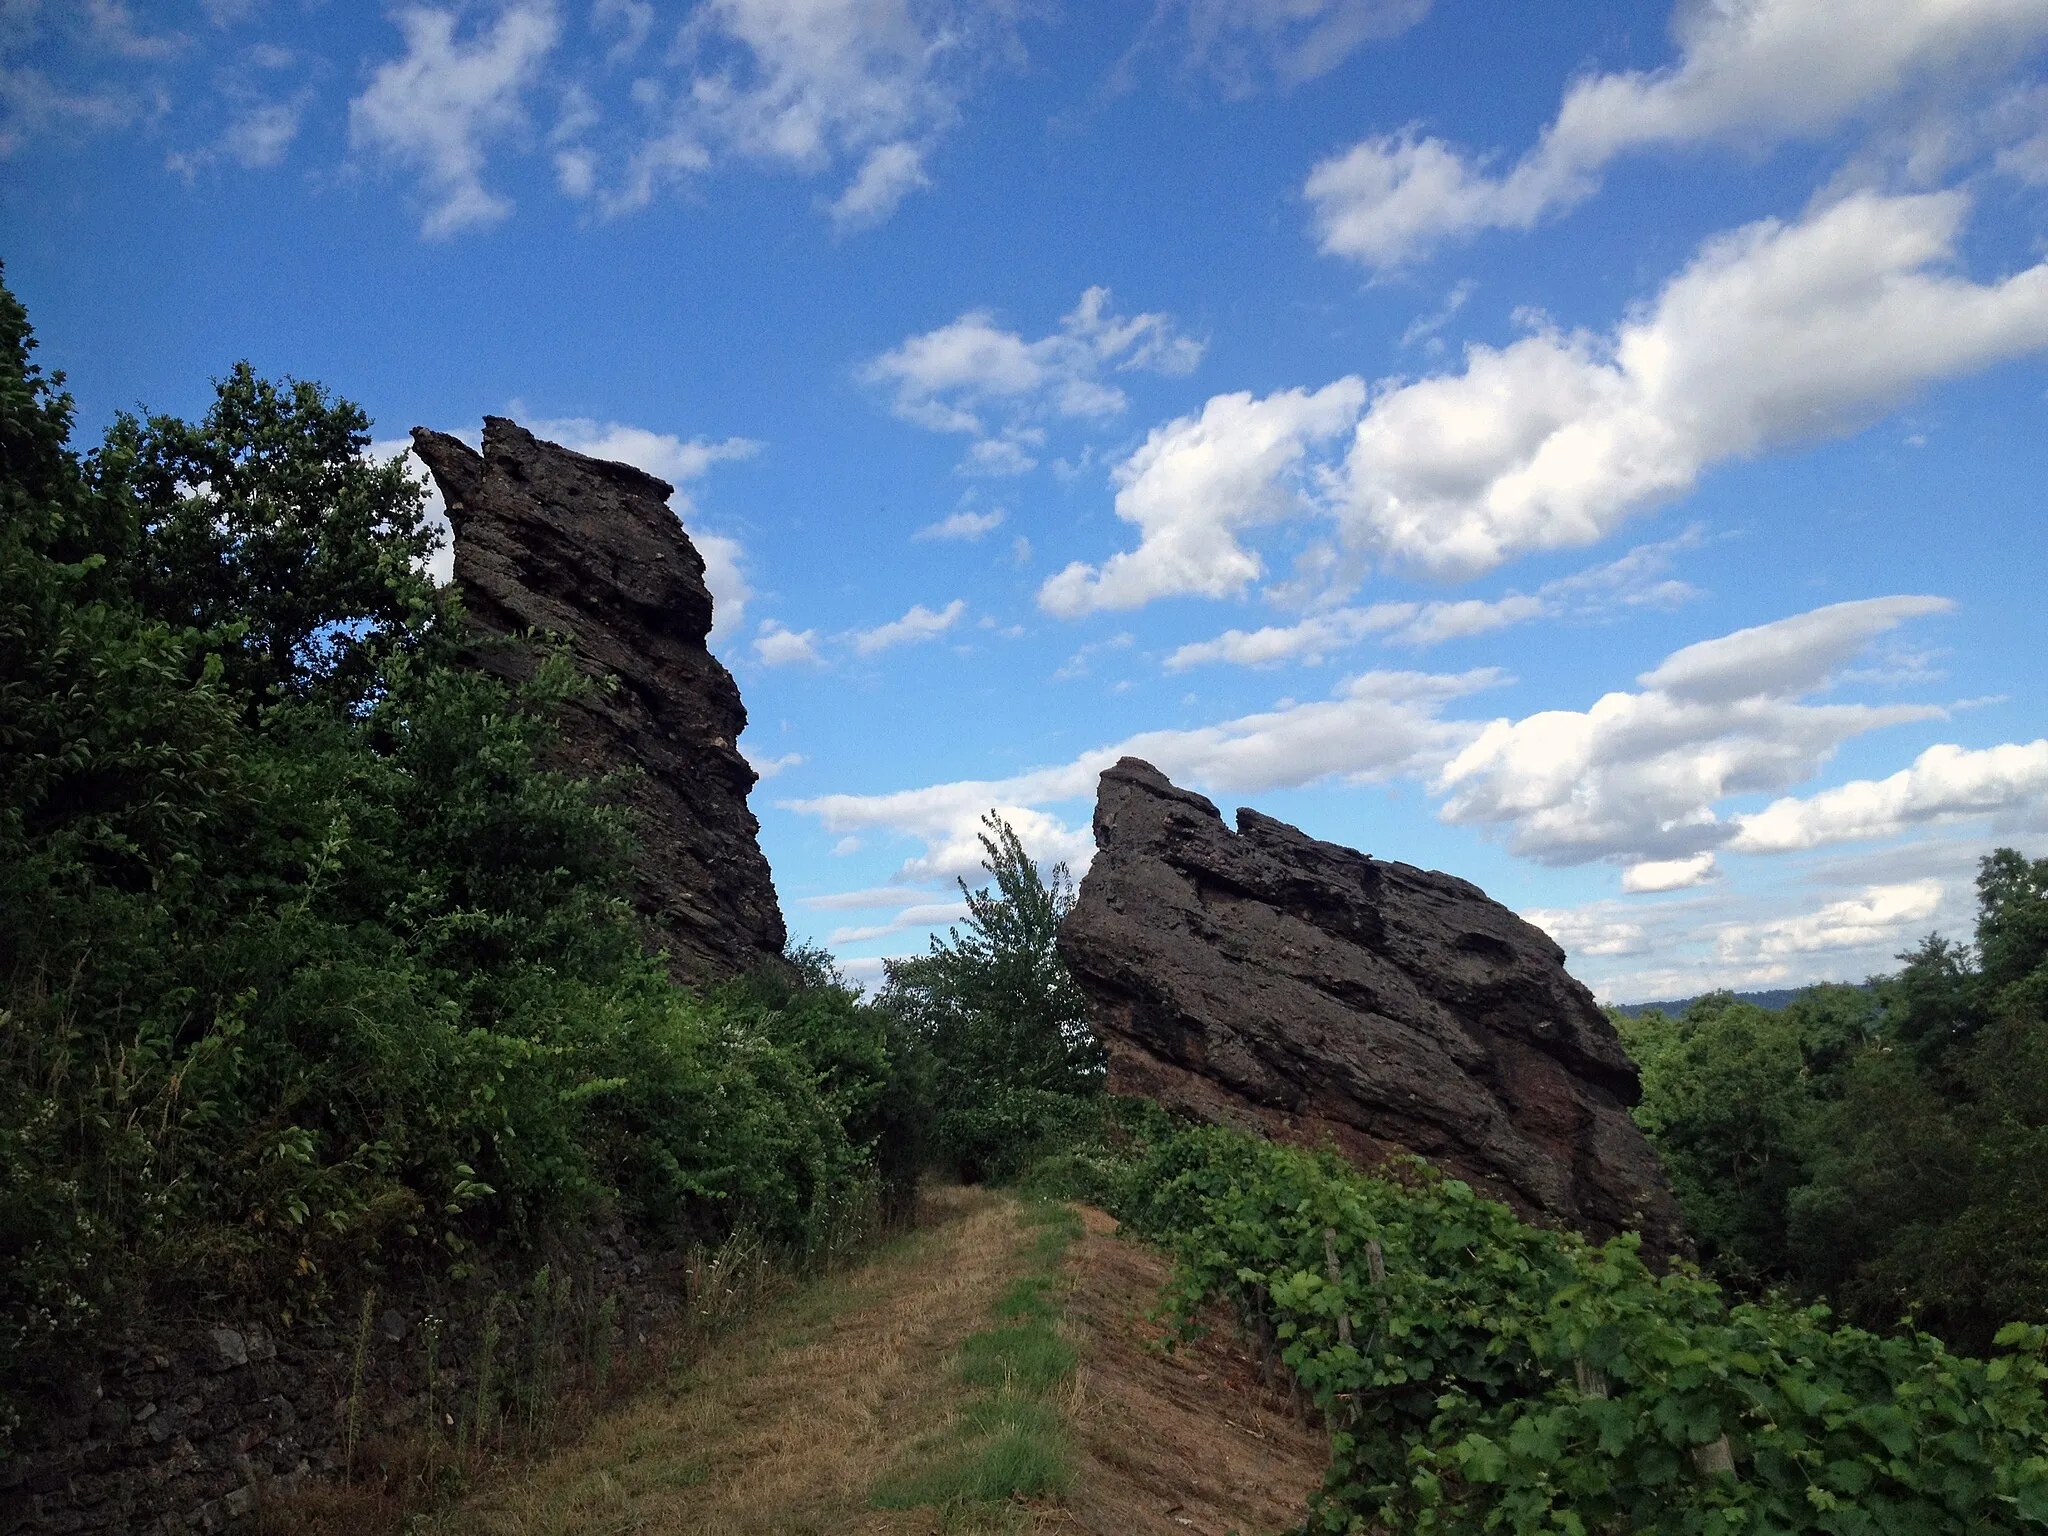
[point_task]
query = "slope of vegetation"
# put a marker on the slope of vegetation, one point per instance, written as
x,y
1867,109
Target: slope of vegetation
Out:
x,y
311,970
1479,1374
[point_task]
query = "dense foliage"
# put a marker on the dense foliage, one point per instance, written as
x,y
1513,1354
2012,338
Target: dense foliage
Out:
x,y
1884,1148
308,962
1012,1066
1508,1378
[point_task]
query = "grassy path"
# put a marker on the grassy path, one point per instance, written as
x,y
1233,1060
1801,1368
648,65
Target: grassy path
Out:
x,y
892,1382
791,1422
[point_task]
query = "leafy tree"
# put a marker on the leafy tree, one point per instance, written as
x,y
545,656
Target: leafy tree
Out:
x,y
309,965
1882,1148
1727,1101
1013,1062
267,527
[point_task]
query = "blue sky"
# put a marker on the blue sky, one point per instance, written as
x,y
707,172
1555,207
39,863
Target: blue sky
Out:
x,y
1591,448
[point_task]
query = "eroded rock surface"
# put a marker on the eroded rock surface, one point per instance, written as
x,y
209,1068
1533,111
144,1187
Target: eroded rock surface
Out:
x,y
548,539
1315,994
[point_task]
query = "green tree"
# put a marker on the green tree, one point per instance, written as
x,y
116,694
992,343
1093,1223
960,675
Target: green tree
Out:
x,y
268,527
1014,1064
309,965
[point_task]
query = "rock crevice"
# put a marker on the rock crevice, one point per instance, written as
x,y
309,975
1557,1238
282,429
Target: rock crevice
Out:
x,y
552,540
1316,994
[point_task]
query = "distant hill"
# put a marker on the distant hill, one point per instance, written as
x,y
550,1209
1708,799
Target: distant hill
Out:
x,y
1770,1000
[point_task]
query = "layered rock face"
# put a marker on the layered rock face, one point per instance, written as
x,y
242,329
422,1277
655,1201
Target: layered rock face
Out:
x,y
1317,995
547,539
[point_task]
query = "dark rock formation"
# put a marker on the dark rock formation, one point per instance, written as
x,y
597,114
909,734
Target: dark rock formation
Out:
x,y
547,539
1318,995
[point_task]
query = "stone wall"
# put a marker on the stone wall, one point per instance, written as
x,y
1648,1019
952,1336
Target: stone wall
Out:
x,y
188,1427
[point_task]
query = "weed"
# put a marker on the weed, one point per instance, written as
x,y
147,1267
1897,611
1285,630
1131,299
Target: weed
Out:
x,y
353,1434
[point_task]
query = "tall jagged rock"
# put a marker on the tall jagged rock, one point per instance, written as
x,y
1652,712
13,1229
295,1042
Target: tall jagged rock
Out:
x,y
1317,995
548,539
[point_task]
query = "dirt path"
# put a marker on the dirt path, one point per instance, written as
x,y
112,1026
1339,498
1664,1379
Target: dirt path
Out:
x,y
1171,1443
789,1427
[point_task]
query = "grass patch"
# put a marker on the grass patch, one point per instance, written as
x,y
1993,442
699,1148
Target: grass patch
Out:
x,y
1010,1441
1027,1358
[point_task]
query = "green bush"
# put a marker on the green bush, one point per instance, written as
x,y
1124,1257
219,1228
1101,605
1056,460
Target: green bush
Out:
x,y
310,967
1509,1378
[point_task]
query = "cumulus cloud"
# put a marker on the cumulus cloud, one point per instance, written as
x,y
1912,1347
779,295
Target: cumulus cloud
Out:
x,y
1636,777
675,459
776,646
1685,944
1668,874
975,377
1638,579
1774,334
436,107
1598,929
920,623
1882,915
1944,783
966,525
1749,73
1374,727
1196,483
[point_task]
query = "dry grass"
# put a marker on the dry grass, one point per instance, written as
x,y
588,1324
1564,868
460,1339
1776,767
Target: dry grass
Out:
x,y
790,1423
796,1419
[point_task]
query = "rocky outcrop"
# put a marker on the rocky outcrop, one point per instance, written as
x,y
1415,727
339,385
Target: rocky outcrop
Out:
x,y
547,539
1318,995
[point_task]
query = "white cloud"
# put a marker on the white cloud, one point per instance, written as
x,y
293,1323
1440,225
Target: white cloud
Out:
x,y
766,768
1246,44
257,136
1311,640
1775,334
1425,327
965,525
1750,73
954,378
675,459
1883,914
1598,929
77,38
1374,727
1195,483
1635,778
890,173
810,86
862,900
1638,579
780,647
1944,783
925,915
1668,874
437,106
920,623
